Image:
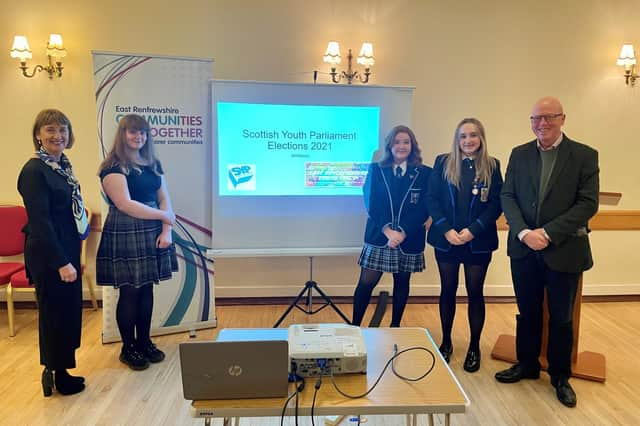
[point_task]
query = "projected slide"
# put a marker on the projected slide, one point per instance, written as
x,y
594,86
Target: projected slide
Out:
x,y
279,150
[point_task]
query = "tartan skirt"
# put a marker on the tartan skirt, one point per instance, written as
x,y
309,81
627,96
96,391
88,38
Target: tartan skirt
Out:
x,y
128,255
386,259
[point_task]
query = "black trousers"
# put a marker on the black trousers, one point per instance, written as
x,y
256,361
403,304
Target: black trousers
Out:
x,y
530,277
59,319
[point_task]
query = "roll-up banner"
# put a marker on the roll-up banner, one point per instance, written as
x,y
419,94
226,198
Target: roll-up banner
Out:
x,y
172,94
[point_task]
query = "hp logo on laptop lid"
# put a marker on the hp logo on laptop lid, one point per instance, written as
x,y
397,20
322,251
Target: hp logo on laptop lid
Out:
x,y
235,370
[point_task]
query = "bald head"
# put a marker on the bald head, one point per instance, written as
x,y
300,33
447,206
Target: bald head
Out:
x,y
547,119
549,102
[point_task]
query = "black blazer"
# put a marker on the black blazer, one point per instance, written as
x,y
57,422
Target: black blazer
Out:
x,y
412,211
570,200
442,198
52,238
52,241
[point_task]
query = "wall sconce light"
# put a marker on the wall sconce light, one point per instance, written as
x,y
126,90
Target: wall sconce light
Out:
x,y
332,56
55,52
627,60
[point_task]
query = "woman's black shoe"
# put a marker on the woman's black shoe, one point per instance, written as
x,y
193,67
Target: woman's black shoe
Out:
x,y
134,359
472,361
47,382
69,377
67,384
446,350
151,352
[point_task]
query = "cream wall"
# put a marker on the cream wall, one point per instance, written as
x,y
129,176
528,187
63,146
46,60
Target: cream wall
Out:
x,y
490,60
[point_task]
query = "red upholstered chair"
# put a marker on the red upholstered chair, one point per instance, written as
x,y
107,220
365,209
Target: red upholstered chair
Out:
x,y
20,284
12,220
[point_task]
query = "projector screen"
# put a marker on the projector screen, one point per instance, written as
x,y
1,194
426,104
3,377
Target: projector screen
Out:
x,y
289,164
309,150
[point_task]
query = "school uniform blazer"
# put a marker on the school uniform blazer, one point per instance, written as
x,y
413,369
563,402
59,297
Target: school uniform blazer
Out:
x,y
442,201
412,212
569,201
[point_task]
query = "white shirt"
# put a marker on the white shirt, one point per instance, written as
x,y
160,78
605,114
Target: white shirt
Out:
x,y
402,165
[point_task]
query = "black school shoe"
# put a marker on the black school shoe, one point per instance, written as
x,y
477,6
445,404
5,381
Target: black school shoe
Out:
x,y
151,352
133,358
446,349
472,361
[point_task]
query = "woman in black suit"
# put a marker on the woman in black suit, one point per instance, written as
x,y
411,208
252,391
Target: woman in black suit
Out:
x,y
57,223
395,197
464,203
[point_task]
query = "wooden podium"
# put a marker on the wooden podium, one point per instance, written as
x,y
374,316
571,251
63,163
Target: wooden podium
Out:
x,y
584,365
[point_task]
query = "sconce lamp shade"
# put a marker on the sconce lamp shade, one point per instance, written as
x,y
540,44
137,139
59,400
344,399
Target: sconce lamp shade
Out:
x,y
332,55
366,55
20,48
55,48
627,56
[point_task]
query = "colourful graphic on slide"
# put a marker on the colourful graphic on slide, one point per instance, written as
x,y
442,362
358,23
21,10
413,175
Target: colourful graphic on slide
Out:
x,y
335,175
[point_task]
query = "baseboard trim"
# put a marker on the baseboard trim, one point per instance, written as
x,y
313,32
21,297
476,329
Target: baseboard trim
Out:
x,y
31,304
283,295
251,292
30,297
424,300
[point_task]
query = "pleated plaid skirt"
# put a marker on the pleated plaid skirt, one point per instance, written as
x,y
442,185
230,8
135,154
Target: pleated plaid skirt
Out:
x,y
386,259
127,254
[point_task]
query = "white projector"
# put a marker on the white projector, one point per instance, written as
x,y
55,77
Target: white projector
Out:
x,y
338,347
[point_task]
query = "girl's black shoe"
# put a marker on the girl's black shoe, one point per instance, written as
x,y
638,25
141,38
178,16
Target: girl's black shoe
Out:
x,y
151,352
134,359
472,361
446,349
67,384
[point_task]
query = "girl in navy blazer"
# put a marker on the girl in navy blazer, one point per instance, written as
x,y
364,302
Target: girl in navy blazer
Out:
x,y
464,203
395,193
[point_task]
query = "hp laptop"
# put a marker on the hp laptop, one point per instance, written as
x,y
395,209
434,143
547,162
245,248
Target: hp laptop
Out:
x,y
234,370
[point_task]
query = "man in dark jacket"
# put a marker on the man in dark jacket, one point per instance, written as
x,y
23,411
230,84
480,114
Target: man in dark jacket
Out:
x,y
549,194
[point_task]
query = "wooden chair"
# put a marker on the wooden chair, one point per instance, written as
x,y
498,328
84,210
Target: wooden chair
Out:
x,y
19,283
12,220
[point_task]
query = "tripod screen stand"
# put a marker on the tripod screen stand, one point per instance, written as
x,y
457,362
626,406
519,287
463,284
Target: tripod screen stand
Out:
x,y
306,296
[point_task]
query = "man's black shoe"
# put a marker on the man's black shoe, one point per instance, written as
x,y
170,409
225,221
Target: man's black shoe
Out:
x,y
564,391
515,374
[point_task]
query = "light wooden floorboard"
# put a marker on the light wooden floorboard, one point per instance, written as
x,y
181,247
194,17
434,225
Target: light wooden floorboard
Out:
x,y
117,395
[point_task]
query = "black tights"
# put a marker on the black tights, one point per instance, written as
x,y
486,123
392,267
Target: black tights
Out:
x,y
368,281
474,276
133,314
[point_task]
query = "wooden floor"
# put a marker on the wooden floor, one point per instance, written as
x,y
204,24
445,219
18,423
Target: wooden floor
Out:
x,y
117,395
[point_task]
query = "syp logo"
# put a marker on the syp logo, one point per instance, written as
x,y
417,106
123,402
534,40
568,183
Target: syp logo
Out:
x,y
241,177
